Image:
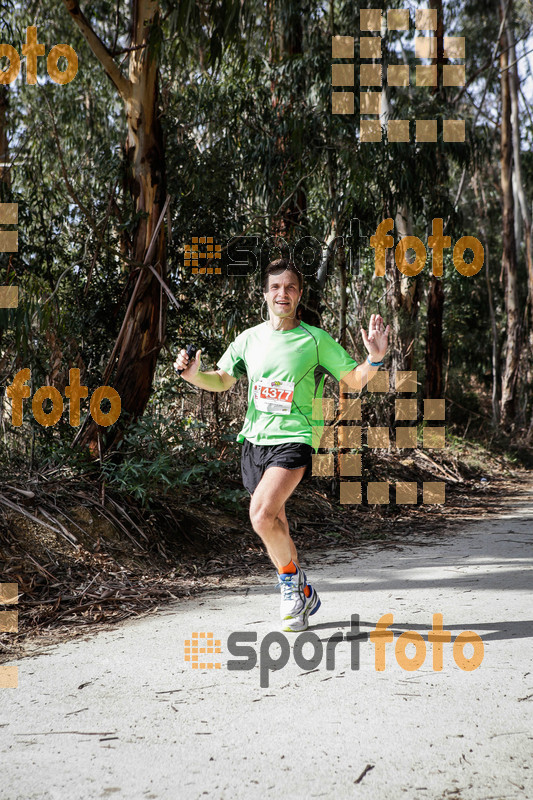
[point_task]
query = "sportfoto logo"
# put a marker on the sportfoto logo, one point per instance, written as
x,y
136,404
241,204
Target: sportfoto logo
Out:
x,y
240,644
32,50
75,391
243,255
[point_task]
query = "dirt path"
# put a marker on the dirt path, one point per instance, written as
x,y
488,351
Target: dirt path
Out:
x,y
122,714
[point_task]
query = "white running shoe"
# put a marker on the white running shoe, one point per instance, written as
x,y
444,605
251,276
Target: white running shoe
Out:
x,y
298,600
299,622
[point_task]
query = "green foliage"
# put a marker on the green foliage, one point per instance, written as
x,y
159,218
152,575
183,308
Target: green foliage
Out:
x,y
160,456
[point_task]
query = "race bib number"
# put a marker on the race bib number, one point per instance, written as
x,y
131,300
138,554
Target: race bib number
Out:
x,y
273,396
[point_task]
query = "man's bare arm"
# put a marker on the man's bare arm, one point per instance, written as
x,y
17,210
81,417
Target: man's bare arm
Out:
x,y
358,378
212,381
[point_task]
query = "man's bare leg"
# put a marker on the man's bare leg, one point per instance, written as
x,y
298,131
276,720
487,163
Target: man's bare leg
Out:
x,y
273,490
283,519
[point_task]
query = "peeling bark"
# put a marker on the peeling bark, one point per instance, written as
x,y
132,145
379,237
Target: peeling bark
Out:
x,y
510,372
140,339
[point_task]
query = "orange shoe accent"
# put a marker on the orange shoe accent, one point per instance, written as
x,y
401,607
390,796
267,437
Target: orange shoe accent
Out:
x,y
307,590
291,567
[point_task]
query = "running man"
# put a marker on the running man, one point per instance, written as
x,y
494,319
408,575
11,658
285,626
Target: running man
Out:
x,y
286,362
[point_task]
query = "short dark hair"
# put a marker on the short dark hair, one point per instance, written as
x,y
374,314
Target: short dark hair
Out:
x,y
278,266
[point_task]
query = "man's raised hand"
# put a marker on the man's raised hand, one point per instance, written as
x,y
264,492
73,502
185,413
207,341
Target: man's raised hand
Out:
x,y
377,339
189,366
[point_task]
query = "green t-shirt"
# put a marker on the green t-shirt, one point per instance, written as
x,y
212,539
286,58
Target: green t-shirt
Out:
x,y
301,356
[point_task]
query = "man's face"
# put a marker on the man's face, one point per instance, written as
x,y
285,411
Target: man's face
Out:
x,y
283,294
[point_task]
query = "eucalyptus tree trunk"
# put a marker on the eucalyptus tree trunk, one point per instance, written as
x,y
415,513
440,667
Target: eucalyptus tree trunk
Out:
x,y
290,220
484,228
510,371
523,205
434,348
5,173
343,299
407,292
141,337
435,306
285,44
5,177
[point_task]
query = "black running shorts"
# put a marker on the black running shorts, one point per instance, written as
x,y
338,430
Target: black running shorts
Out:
x,y
256,458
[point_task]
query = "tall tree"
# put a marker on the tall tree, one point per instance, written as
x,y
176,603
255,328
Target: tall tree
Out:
x,y
509,266
290,218
518,181
435,306
5,174
142,334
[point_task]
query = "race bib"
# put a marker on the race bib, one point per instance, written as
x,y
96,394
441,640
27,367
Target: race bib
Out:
x,y
273,396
